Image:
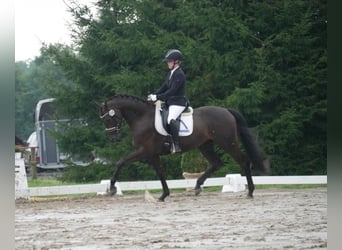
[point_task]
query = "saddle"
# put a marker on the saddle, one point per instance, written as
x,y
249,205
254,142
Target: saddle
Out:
x,y
185,120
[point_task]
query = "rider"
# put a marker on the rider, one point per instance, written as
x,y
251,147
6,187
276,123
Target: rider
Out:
x,y
173,93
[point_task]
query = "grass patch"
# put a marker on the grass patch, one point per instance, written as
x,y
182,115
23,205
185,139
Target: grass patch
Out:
x,y
290,186
56,182
152,191
50,182
62,197
219,188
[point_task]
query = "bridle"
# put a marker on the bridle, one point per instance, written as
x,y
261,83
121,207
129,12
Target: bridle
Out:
x,y
111,114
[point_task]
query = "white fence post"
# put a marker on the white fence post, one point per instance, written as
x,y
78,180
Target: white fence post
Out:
x,y
235,183
21,187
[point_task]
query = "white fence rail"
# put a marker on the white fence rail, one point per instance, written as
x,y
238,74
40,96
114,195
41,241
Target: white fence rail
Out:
x,y
230,183
308,179
69,189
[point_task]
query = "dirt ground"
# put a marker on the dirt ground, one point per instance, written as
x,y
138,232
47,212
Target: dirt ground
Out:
x,y
274,219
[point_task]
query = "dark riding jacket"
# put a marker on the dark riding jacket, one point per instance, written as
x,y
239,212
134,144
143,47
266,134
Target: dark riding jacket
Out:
x,y
173,89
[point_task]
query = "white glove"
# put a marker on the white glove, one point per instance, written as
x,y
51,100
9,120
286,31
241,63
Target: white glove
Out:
x,y
152,97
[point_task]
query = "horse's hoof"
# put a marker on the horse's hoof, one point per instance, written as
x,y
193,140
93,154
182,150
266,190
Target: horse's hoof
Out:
x,y
162,198
197,191
249,196
112,191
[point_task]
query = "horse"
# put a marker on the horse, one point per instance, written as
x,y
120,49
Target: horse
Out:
x,y
212,126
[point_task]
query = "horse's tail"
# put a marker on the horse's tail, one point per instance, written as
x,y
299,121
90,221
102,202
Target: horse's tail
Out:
x,y
250,144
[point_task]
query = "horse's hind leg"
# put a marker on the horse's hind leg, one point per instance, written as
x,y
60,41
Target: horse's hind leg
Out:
x,y
244,163
214,160
155,162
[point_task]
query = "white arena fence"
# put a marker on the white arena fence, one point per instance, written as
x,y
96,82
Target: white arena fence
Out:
x,y
229,183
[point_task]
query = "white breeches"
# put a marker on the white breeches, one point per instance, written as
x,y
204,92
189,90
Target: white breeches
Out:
x,y
174,112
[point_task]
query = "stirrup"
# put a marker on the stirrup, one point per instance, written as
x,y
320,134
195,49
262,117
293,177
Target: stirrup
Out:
x,y
173,149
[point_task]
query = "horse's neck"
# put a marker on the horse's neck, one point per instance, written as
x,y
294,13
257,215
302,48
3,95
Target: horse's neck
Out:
x,y
131,115
133,110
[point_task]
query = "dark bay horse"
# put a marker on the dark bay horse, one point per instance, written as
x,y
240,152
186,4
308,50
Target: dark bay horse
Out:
x,y
212,126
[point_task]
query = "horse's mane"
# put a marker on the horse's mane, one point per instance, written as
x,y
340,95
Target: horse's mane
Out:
x,y
133,98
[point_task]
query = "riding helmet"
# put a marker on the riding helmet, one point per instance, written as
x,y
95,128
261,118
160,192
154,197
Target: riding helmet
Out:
x,y
173,54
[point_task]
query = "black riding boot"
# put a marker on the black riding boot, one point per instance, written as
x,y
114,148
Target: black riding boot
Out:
x,y
174,127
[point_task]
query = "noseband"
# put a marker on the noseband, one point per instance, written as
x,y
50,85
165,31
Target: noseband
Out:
x,y
111,114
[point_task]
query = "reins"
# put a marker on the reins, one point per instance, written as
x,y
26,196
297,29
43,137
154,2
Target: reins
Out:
x,y
111,113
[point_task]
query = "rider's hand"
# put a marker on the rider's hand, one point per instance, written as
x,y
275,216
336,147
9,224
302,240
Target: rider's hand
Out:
x,y
152,97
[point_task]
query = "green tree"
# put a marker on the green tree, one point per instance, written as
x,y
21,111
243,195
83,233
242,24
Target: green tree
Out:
x,y
266,58
30,84
295,99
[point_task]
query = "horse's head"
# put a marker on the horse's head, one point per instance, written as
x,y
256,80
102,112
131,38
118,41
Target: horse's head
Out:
x,y
112,119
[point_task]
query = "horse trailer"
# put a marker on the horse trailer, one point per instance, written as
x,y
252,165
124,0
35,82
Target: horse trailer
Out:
x,y
49,155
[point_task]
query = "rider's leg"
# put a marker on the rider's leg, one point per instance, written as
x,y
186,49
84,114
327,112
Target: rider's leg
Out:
x,y
174,112
175,137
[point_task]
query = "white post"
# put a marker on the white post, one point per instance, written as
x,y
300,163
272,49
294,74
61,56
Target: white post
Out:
x,y
21,187
236,183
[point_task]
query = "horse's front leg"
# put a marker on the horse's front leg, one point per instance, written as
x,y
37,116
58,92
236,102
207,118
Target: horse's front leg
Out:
x,y
132,157
155,162
214,160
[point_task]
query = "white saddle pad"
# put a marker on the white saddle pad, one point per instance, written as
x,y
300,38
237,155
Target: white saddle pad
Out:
x,y
186,124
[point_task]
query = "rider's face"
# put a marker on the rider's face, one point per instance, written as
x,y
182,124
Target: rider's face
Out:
x,y
171,64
